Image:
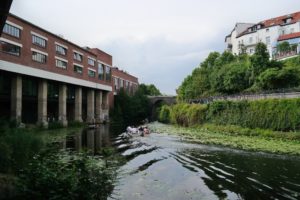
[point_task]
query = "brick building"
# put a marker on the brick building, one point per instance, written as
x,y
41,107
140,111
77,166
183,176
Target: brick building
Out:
x,y
44,77
121,80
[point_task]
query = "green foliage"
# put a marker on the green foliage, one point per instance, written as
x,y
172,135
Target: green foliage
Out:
x,y
17,147
236,137
283,47
223,74
274,78
184,114
65,175
150,90
164,114
130,110
271,114
259,60
55,125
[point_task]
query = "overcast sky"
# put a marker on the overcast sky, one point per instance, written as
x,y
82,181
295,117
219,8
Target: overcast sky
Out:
x,y
159,41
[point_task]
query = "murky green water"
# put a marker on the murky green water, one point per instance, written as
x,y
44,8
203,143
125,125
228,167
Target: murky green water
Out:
x,y
166,167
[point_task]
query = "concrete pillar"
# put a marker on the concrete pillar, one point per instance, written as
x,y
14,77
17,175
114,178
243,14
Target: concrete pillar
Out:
x,y
90,106
98,105
105,106
62,105
16,99
42,103
78,104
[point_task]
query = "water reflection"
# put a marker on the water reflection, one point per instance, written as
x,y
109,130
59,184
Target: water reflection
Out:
x,y
165,167
89,139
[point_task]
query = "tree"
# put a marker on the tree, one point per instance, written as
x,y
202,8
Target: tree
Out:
x,y
150,90
283,47
274,78
259,61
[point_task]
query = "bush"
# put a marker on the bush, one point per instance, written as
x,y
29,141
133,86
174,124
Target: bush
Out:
x,y
274,114
17,147
164,114
65,175
188,114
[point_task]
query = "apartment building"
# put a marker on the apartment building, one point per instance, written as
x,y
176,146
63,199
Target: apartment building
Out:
x,y
271,32
46,78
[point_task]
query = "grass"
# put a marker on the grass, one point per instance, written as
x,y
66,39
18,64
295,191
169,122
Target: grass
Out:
x,y
236,137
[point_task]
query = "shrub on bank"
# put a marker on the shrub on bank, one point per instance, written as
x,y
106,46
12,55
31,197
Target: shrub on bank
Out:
x,y
273,114
164,114
183,114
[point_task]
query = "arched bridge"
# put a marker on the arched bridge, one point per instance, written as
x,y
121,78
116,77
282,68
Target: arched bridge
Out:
x,y
157,101
169,100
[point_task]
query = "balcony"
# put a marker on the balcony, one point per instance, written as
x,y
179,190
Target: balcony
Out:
x,y
285,55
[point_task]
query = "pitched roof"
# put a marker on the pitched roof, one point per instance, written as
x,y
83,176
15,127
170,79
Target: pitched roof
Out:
x,y
289,36
277,21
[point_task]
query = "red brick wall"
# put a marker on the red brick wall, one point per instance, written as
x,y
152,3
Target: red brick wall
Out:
x,y
26,53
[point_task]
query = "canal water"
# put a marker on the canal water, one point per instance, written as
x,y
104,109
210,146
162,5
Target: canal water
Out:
x,y
161,166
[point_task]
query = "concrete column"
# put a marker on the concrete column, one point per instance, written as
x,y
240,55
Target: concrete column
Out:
x,y
16,99
90,106
98,106
42,103
62,105
78,104
105,107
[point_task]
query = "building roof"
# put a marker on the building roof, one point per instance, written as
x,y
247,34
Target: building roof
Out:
x,y
277,21
289,36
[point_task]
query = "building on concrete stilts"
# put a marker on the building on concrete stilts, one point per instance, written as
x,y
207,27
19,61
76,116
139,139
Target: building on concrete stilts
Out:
x,y
45,78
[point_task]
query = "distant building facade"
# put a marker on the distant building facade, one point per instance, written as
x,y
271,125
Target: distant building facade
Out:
x,y
123,81
45,78
271,32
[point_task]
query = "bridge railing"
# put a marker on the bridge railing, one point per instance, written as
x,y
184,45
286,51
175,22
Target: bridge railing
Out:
x,y
278,93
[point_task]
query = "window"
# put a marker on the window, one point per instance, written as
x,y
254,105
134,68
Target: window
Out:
x,y
10,48
107,73
60,50
250,40
116,83
78,56
78,69
292,30
251,51
268,40
100,71
39,41
91,62
91,73
61,64
12,30
267,30
39,57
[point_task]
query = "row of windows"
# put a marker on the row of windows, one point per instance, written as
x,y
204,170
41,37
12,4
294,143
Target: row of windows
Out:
x,y
16,32
42,58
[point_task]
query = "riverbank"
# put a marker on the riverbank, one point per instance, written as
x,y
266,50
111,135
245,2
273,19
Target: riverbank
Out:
x,y
235,137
